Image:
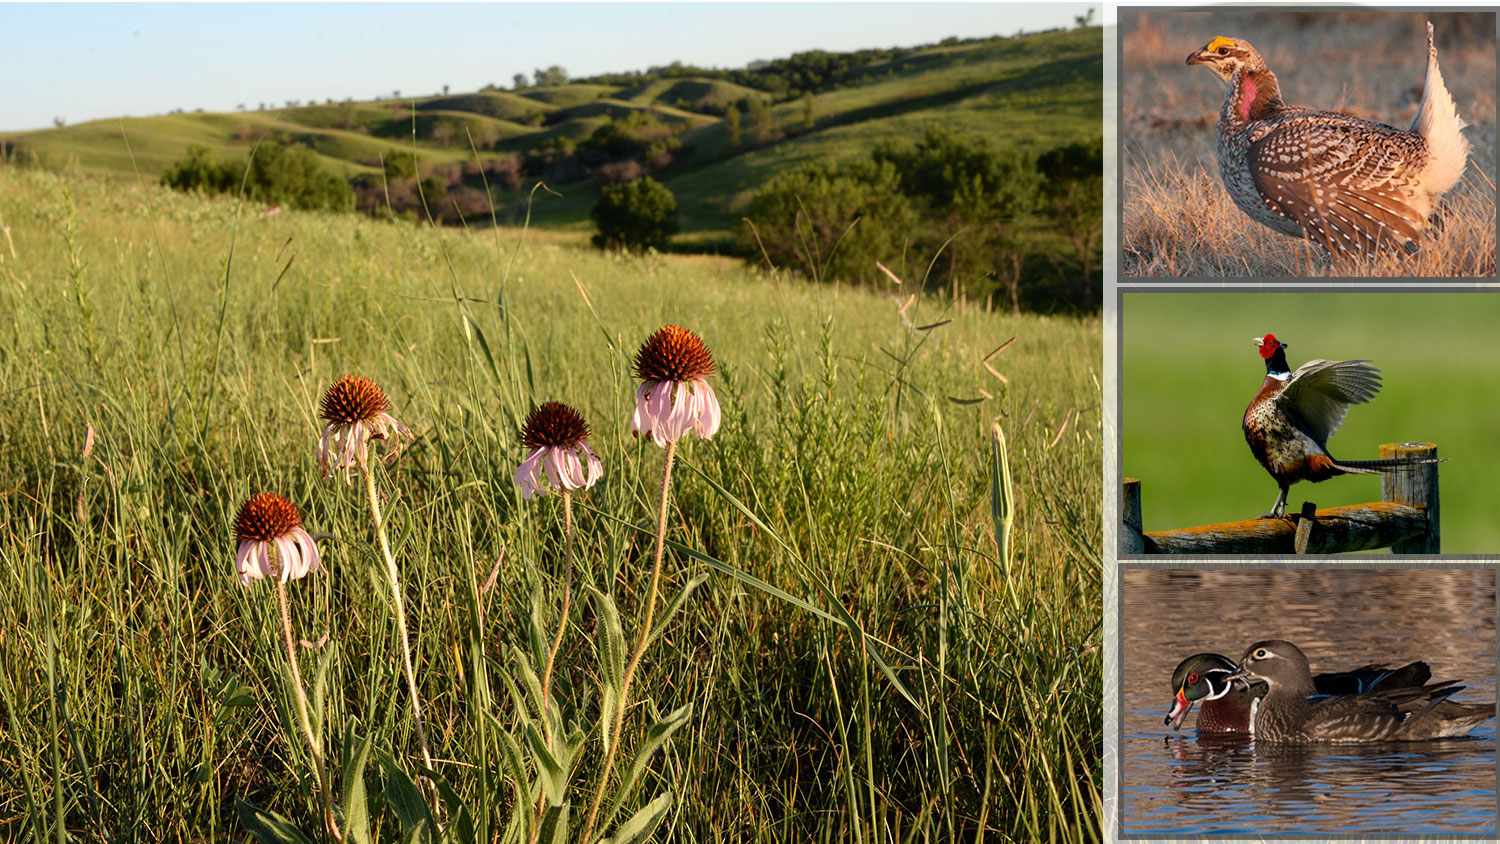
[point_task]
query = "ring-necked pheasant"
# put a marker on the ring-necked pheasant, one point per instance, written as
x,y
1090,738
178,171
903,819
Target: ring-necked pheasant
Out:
x,y
1350,184
1289,421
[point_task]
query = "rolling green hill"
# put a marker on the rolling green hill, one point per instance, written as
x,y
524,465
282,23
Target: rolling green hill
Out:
x,y
1034,92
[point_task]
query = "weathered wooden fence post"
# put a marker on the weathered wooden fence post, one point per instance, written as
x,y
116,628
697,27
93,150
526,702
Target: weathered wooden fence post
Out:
x,y
1405,521
1131,539
1416,486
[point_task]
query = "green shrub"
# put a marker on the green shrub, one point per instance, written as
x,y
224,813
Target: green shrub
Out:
x,y
635,215
276,174
199,171
965,176
833,223
293,175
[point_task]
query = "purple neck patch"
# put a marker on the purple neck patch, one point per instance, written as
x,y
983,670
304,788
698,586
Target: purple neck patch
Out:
x,y
1247,97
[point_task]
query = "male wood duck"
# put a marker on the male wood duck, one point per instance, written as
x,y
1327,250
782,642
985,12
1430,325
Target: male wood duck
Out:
x,y
1289,711
1229,707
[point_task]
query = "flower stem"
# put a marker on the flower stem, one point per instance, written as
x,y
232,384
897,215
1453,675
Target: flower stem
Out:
x,y
643,636
562,626
395,578
302,719
562,619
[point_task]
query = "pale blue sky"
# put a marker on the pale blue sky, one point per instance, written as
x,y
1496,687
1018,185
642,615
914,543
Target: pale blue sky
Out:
x,y
85,61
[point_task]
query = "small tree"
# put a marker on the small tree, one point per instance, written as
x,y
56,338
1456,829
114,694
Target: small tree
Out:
x,y
732,121
552,76
1074,189
635,215
763,119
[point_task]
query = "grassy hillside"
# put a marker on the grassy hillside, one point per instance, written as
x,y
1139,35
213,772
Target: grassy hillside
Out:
x,y
1033,91
161,359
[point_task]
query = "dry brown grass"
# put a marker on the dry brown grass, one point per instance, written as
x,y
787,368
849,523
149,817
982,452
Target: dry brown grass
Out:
x,y
1177,221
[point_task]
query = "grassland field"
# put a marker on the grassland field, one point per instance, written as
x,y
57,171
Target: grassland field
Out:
x,y
1177,220
1189,369
142,686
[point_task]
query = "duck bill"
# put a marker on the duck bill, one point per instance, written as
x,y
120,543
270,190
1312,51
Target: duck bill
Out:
x,y
1181,706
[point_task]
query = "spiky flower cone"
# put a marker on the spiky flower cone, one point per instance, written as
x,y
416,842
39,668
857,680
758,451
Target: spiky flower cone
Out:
x,y
357,411
674,396
557,439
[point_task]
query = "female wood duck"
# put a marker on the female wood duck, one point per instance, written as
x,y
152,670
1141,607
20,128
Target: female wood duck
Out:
x,y
1290,710
1229,707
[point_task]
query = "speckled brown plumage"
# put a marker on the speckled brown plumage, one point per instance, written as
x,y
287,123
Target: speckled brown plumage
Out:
x,y
1288,713
1352,185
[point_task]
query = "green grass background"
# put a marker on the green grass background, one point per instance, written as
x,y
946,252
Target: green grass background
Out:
x,y
195,337
1189,370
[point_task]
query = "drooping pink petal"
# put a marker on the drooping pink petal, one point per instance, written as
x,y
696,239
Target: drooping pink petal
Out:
x,y
526,473
242,563
551,463
708,409
260,561
286,555
662,403
596,466
640,422
682,410
310,554
573,477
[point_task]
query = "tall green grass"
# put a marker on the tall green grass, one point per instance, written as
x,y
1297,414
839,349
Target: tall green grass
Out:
x,y
844,514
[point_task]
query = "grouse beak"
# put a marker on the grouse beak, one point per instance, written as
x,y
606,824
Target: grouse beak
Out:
x,y
1181,706
1200,57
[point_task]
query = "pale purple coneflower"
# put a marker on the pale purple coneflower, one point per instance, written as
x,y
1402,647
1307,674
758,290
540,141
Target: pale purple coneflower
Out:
x,y
674,397
273,544
267,520
557,439
357,412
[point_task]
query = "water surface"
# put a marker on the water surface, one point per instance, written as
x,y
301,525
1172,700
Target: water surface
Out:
x,y
1341,618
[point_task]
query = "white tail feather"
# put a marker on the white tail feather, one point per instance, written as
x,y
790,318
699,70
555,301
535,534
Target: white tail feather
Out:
x,y
1438,123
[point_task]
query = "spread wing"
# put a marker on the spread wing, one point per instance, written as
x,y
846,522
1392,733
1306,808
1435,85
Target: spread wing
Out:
x,y
1341,180
1320,392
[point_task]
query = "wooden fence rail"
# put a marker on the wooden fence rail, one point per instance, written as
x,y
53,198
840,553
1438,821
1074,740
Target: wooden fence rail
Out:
x,y
1406,521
